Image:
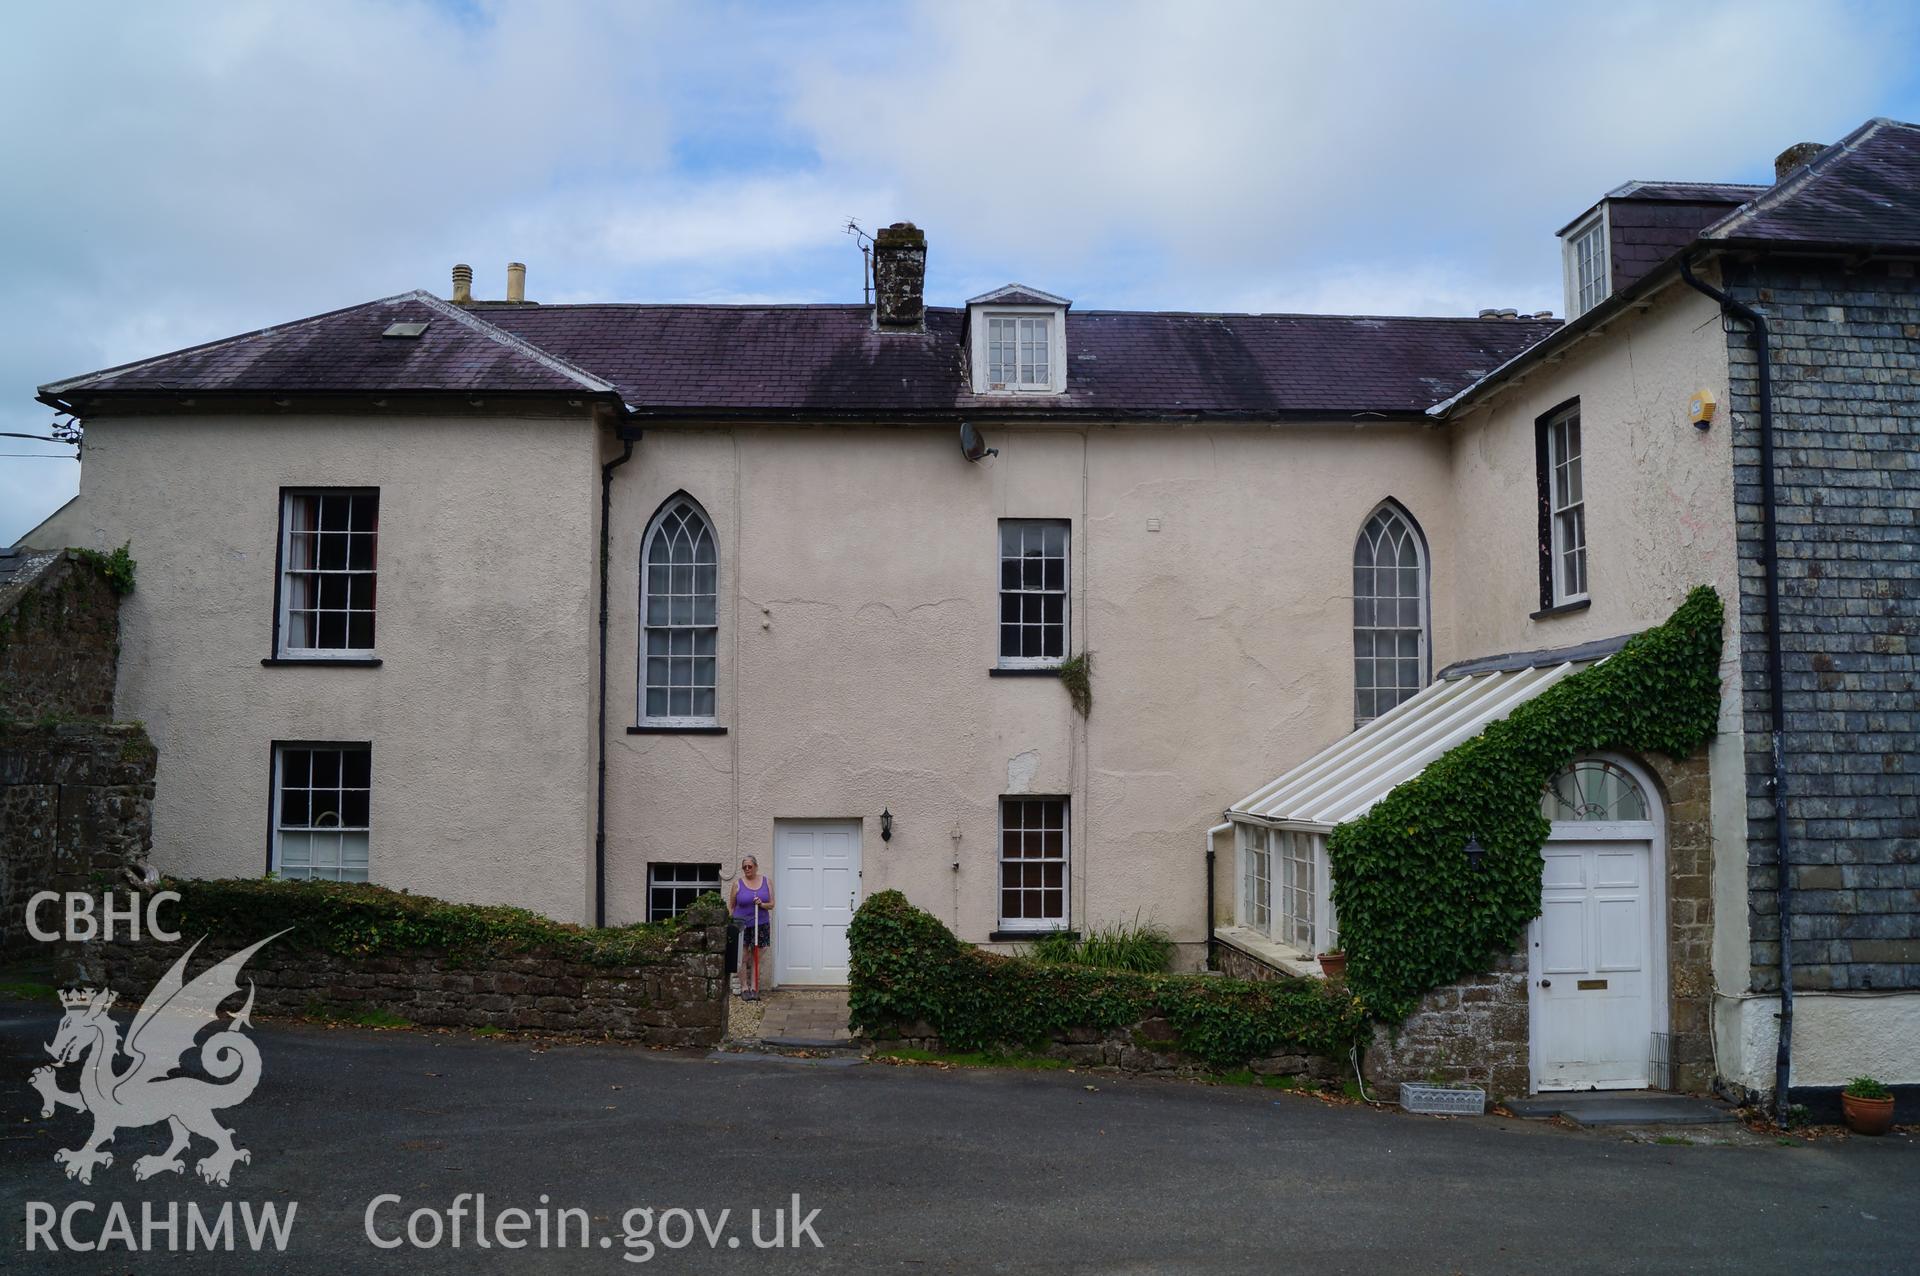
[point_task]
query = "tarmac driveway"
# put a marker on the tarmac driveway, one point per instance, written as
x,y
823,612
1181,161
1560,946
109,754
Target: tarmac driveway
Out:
x,y
911,1169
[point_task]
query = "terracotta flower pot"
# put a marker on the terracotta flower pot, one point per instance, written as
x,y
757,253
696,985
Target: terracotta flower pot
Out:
x,y
1335,964
1867,1116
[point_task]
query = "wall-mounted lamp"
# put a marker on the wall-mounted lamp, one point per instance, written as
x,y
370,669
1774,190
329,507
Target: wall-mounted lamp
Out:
x,y
1475,852
886,825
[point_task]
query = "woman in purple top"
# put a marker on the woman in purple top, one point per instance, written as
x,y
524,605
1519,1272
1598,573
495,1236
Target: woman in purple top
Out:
x,y
751,900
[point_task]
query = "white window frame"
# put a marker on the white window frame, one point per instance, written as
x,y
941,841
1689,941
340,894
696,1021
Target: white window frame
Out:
x,y
1256,877
1375,629
1567,518
1035,925
1319,930
1023,592
1022,345
343,870
295,564
686,875
642,672
1048,376
1583,296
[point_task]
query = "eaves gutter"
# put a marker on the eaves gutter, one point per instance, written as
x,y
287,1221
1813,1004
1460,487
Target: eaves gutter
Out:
x,y
1002,416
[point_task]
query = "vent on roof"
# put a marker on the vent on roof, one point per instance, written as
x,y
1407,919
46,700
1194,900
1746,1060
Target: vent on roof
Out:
x,y
405,328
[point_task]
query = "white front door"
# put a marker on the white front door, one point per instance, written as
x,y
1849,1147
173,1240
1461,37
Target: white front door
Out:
x,y
1592,967
816,867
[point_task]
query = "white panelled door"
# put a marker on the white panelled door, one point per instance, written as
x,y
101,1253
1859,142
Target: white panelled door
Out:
x,y
1592,967
817,879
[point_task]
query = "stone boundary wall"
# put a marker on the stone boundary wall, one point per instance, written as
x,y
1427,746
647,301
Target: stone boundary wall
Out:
x,y
1473,1031
76,812
59,639
1149,1047
680,1000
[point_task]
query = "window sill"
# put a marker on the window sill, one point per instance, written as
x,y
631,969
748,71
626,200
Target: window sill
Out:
x,y
365,662
672,728
1271,952
1562,609
1026,936
1024,671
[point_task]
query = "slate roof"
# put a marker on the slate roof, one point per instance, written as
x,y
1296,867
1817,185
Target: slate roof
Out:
x,y
828,360
345,350
1689,192
1861,192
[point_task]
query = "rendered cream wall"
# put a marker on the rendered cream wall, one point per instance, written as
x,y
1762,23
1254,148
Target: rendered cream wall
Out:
x,y
859,624
479,716
1660,520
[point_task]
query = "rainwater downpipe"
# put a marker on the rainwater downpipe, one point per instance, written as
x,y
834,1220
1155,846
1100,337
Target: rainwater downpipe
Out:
x,y
1213,832
1757,337
628,434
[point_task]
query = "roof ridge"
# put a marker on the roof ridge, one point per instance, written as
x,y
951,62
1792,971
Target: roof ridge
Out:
x,y
1782,191
1635,182
55,387
519,345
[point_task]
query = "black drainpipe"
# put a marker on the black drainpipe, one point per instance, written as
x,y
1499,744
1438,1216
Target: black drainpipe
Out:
x,y
629,434
1776,779
1211,959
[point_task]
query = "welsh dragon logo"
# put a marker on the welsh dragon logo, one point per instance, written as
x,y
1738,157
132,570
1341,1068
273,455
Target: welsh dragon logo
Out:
x,y
145,1091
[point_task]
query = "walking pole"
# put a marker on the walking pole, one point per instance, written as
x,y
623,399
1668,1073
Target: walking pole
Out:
x,y
756,949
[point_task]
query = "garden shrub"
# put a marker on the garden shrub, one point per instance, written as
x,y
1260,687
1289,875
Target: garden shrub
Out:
x,y
359,920
908,968
1413,915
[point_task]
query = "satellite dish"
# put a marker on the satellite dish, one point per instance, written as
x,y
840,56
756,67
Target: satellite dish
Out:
x,y
972,446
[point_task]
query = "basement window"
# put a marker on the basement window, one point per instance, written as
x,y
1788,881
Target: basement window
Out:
x,y
672,888
322,795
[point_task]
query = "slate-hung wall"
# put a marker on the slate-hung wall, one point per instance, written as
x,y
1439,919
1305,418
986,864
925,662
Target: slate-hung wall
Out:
x,y
1846,376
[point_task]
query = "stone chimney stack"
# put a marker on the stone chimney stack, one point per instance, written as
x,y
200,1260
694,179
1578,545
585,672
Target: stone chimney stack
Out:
x,y
516,281
463,285
900,277
1793,159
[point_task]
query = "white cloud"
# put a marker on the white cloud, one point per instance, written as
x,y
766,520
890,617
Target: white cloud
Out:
x,y
1252,140
187,171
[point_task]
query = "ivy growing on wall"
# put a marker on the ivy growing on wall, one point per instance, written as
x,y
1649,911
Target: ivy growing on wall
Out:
x,y
1413,915
360,920
116,568
907,968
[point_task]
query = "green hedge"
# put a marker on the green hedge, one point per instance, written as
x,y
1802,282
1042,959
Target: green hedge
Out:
x,y
907,967
1413,916
360,921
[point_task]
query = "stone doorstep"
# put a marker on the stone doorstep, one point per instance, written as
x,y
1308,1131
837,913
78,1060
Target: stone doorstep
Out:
x,y
1623,1107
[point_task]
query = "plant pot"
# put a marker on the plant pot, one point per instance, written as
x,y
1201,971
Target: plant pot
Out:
x,y
1867,1116
1335,964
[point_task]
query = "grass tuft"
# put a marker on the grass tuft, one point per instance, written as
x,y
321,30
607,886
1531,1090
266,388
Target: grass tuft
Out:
x,y
1144,948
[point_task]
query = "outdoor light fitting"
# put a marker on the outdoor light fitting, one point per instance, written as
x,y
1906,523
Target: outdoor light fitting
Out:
x,y
886,825
1474,852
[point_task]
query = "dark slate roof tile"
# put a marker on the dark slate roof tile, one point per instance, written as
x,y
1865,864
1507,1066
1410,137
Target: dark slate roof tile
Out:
x,y
1861,192
346,350
828,359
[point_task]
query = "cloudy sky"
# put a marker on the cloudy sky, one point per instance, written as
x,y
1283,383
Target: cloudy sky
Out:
x,y
182,172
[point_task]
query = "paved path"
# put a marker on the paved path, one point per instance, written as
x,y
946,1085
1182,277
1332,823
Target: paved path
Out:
x,y
918,1169
803,1017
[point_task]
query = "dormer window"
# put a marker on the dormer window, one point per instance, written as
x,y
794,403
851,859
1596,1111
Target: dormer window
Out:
x,y
1017,341
1017,357
1585,250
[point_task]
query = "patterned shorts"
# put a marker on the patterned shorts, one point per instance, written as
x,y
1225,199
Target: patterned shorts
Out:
x,y
754,936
